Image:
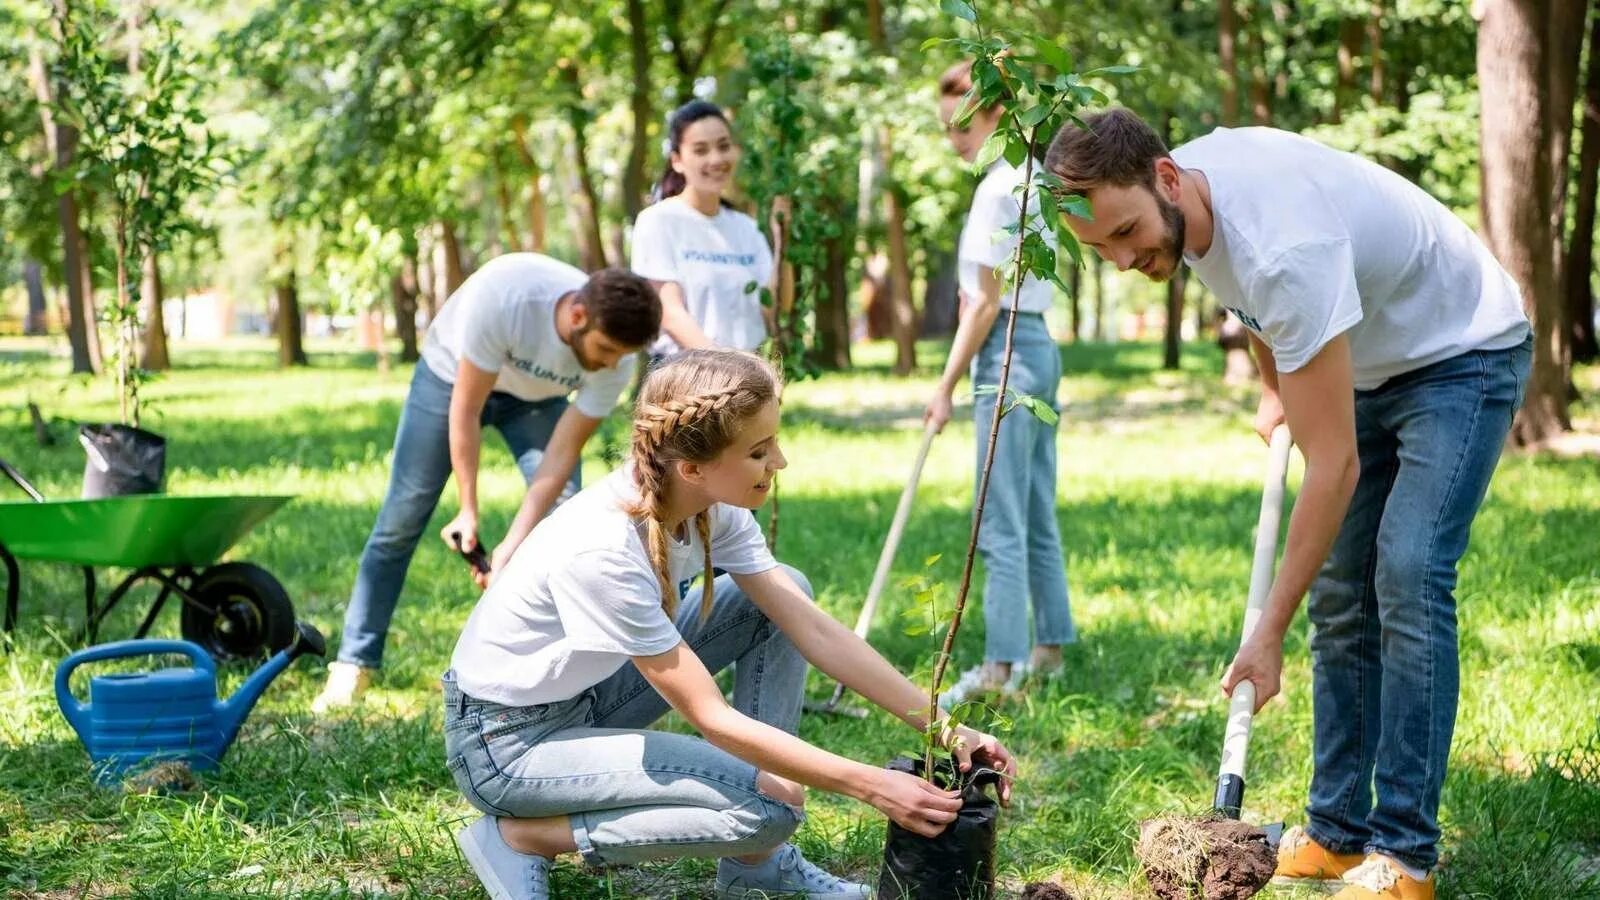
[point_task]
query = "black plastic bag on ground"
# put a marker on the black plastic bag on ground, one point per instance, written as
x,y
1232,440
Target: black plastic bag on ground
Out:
x,y
122,460
959,863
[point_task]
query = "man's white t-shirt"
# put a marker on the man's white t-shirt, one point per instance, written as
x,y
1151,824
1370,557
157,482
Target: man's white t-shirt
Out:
x,y
714,260
985,245
503,319
579,597
1312,242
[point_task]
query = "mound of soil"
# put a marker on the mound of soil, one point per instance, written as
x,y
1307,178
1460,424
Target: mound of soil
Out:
x,y
1044,890
1204,859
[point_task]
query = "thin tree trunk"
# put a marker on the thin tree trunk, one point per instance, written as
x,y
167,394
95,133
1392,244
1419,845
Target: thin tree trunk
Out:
x,y
536,204
36,322
1580,251
584,200
1375,44
1099,298
1350,35
508,224
634,178
833,298
61,141
1286,38
286,297
1075,303
1565,49
447,259
151,295
403,293
1172,343
1513,78
1228,54
1260,91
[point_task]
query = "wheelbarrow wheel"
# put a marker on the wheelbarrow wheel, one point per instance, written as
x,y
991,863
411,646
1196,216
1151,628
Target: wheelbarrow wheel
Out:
x,y
241,612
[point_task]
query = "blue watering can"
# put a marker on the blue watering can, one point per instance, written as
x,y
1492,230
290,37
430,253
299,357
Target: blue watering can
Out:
x,y
168,714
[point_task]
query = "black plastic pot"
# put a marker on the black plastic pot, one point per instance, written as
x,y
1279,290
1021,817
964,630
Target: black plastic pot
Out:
x,y
122,460
959,863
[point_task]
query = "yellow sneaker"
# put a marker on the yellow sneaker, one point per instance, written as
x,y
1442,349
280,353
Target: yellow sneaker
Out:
x,y
346,683
1379,878
1303,861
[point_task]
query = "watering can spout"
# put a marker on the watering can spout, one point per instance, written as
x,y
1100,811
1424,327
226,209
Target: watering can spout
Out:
x,y
231,712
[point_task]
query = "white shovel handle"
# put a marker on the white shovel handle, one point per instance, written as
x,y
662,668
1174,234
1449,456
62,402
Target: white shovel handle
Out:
x,y
1236,741
892,542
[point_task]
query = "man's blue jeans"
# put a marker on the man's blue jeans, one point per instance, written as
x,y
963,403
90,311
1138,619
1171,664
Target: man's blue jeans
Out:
x,y
1385,667
417,476
1019,538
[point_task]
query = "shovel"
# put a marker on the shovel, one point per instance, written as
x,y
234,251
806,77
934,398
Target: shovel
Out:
x,y
885,562
1236,741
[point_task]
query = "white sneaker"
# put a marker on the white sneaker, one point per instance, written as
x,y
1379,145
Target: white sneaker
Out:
x,y
974,682
784,874
347,682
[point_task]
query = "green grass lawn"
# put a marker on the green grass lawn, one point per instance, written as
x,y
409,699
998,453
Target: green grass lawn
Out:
x,y
1159,489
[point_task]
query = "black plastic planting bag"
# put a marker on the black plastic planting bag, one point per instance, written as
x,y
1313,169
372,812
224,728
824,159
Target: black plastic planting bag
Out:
x,y
122,460
956,865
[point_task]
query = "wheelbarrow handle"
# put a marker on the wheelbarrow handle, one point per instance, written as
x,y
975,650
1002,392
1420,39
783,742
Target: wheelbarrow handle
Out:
x,y
474,557
1241,707
15,476
73,708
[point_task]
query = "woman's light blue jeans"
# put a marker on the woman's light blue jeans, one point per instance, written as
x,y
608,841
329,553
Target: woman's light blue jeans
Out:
x,y
1384,657
417,476
1019,539
633,794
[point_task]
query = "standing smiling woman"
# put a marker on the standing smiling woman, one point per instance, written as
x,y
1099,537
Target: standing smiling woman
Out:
x,y
589,637
703,256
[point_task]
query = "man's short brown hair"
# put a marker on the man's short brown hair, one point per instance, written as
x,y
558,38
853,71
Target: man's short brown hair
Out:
x,y
1116,148
623,306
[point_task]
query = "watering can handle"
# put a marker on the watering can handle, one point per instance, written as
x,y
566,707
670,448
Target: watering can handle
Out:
x,y
74,710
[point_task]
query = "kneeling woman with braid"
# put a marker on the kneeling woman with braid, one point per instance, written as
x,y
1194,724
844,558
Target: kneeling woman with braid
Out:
x,y
547,724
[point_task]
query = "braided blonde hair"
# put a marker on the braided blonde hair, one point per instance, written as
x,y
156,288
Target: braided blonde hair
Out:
x,y
689,409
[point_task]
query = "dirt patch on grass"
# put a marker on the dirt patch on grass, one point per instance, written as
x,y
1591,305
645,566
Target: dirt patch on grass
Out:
x,y
1204,859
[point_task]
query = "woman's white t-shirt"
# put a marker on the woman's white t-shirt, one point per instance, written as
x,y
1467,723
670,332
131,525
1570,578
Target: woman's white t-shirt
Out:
x,y
985,244
579,597
720,262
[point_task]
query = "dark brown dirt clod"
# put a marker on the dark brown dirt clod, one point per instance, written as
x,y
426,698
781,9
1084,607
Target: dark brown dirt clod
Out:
x,y
1044,890
1204,859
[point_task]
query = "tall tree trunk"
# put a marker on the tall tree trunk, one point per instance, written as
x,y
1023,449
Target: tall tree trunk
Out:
x,y
1286,40
508,223
686,60
447,259
634,178
151,295
584,201
1172,339
1565,49
1350,35
61,141
1260,86
833,295
37,319
536,204
1228,54
1513,78
1375,43
941,296
904,322
1580,251
1075,303
1096,269
403,293
286,299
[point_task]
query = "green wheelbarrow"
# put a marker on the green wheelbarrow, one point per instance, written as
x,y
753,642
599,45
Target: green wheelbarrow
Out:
x,y
234,610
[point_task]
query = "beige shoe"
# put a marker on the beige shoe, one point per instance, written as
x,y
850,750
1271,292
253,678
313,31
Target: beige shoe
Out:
x,y
347,682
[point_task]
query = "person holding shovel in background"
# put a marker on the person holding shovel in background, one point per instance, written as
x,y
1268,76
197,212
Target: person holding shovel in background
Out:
x,y
593,634
1395,348
1020,540
510,345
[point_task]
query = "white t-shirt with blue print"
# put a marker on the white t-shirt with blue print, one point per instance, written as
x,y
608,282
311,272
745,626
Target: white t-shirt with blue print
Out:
x,y
1311,243
503,319
579,598
715,260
